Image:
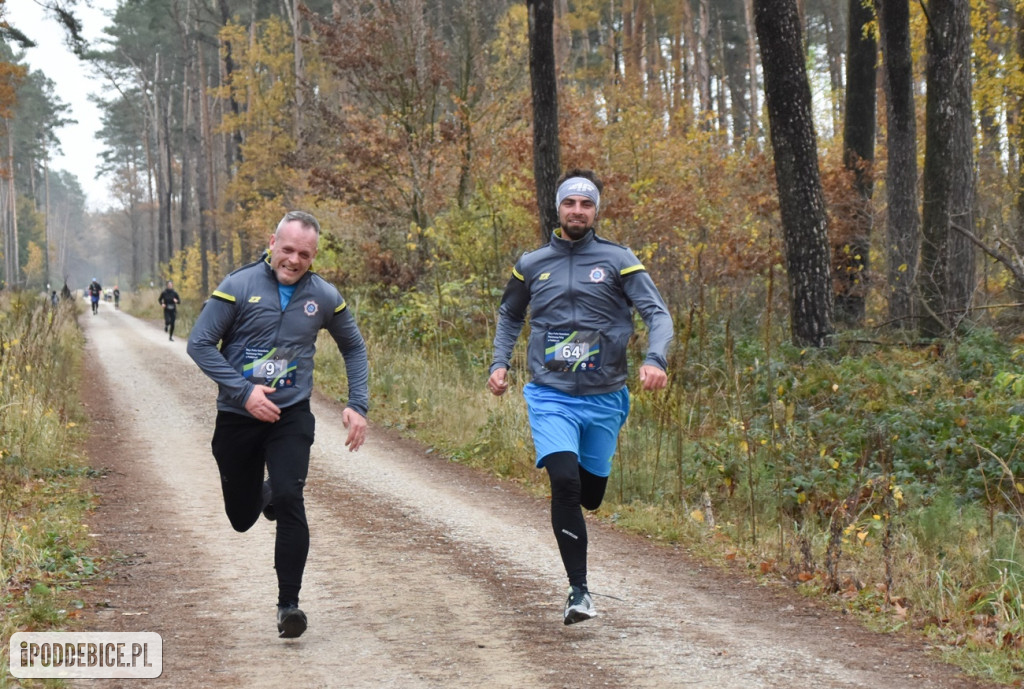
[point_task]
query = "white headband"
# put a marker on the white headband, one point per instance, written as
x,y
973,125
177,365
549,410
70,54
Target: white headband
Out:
x,y
578,186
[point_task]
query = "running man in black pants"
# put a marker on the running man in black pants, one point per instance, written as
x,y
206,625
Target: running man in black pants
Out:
x,y
169,299
267,316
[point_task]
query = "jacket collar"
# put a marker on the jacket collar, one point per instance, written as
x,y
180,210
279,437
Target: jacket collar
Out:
x,y
564,245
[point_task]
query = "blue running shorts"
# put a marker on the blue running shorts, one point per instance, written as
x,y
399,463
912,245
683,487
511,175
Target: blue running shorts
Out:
x,y
587,426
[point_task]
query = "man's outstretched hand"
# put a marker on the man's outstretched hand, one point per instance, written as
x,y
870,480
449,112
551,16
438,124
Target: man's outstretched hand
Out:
x,y
652,378
356,425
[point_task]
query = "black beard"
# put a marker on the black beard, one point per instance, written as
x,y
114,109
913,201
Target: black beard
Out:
x,y
574,234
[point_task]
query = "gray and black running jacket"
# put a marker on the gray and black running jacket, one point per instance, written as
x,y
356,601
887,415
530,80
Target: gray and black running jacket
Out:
x,y
580,295
261,344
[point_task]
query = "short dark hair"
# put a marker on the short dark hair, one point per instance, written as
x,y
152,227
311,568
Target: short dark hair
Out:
x,y
581,172
303,217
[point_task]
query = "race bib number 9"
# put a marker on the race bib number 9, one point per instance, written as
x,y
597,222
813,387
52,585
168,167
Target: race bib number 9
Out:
x,y
269,366
575,350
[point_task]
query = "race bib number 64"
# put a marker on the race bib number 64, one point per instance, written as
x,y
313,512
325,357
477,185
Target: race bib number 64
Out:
x,y
572,350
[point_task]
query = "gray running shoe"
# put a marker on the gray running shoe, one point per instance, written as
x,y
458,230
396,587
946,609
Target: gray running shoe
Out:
x,y
579,606
291,622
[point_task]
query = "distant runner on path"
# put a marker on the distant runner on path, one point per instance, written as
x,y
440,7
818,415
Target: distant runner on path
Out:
x,y
169,299
95,290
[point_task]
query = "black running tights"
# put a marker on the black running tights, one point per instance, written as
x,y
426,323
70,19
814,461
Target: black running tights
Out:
x,y
242,447
572,486
169,316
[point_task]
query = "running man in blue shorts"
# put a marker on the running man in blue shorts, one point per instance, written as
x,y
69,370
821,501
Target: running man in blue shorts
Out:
x,y
580,290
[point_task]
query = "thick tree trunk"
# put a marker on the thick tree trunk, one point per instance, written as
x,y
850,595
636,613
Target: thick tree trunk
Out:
x,y
947,254
904,221
851,257
544,87
801,202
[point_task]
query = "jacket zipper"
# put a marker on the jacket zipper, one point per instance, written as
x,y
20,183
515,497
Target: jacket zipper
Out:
x,y
572,303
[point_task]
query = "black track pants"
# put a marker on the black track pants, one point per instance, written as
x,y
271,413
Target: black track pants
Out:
x,y
242,447
169,316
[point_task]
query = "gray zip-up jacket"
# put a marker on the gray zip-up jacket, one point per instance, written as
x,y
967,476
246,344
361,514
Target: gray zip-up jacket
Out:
x,y
580,296
261,344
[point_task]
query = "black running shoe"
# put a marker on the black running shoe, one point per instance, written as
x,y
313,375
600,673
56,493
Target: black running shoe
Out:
x,y
268,507
291,622
579,606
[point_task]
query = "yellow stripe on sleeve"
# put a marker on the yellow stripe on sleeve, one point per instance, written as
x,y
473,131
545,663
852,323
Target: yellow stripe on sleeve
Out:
x,y
217,294
341,307
517,275
632,269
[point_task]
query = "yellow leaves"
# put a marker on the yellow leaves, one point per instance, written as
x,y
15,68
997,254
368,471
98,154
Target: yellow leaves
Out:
x,y
697,516
897,494
1019,486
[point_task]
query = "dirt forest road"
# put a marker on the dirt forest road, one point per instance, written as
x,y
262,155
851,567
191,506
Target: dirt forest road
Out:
x,y
422,573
